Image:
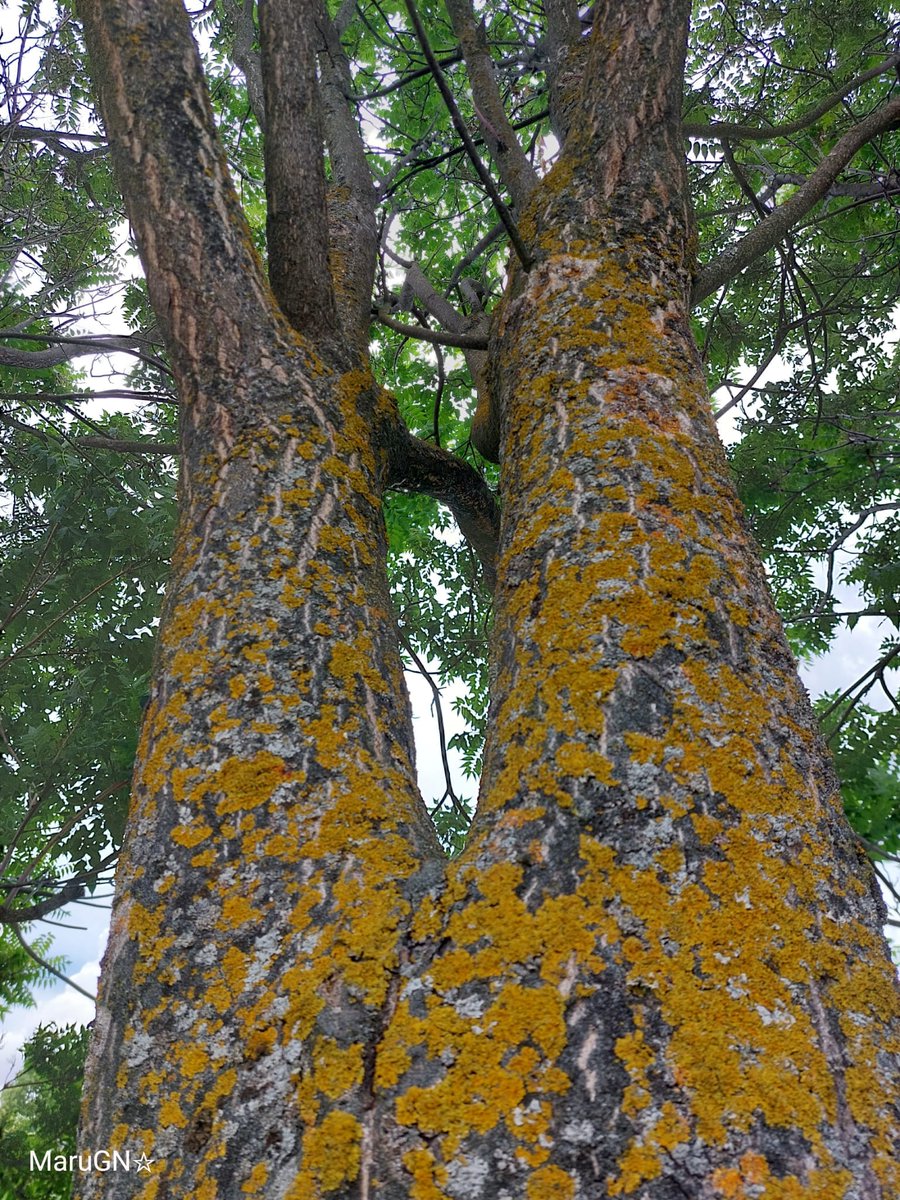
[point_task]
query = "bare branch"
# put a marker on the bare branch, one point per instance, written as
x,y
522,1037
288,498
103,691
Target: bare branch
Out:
x,y
769,232
64,349
418,466
57,139
10,913
449,791
48,966
124,446
462,341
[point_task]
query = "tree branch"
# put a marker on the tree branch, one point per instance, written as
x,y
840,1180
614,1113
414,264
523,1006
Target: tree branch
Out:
x,y
769,232
296,216
58,139
47,966
10,914
65,349
353,234
460,126
246,57
418,466
516,172
736,132
205,279
563,34
462,341
124,446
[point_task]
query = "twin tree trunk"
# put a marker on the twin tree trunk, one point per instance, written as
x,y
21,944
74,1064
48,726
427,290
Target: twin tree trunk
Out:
x,y
656,971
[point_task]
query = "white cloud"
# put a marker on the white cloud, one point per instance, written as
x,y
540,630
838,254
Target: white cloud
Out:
x,y
61,1006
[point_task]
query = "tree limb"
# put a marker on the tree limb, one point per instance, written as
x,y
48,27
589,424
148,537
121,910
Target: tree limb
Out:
x,y
57,139
516,172
769,232
11,914
65,349
737,132
353,234
124,446
418,466
462,341
460,126
296,214
48,966
246,57
205,280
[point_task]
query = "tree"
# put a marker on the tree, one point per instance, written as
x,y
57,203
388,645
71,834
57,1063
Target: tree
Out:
x,y
656,968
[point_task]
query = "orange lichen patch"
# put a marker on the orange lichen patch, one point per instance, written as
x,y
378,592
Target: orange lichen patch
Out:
x,y
219,720
191,835
706,827
192,1059
639,1164
577,760
550,1183
427,1175
337,1069
349,663
331,1150
256,1181
182,625
170,1113
186,664
246,783
258,652
237,911
391,1062
146,926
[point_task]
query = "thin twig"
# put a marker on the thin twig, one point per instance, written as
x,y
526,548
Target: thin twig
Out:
x,y
48,966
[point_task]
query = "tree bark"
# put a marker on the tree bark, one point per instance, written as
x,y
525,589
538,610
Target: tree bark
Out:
x,y
656,971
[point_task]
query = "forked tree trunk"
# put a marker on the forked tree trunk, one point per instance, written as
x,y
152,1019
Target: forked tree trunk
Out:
x,y
656,971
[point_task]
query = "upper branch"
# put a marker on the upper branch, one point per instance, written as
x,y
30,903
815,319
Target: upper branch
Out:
x,y
460,126
752,133
296,219
769,232
205,280
563,33
246,57
418,466
518,175
63,349
351,197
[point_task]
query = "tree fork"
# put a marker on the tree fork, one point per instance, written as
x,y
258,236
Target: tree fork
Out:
x,y
656,969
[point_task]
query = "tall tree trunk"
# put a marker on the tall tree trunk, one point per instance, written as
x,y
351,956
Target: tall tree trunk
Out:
x,y
656,970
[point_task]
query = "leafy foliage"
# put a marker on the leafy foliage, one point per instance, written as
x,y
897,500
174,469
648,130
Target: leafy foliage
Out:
x,y
39,1112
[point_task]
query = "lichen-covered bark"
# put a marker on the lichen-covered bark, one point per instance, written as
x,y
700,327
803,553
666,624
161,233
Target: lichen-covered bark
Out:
x,y
656,970
277,843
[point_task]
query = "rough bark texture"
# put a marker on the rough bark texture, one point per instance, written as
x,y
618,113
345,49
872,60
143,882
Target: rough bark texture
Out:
x,y
656,970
